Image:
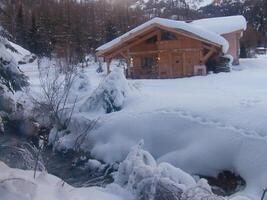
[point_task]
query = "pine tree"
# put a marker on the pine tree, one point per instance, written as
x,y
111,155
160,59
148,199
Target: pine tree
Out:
x,y
110,31
20,28
10,75
34,38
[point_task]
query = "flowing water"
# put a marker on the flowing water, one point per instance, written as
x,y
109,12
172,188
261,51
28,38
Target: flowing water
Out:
x,y
18,152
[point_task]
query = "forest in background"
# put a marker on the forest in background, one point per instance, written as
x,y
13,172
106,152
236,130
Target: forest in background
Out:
x,y
76,27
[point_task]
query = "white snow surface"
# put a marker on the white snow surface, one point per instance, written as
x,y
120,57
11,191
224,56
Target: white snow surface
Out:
x,y
16,184
222,25
201,124
179,25
18,56
193,4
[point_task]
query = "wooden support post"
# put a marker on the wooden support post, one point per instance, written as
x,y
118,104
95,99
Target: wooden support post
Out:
x,y
201,56
108,65
208,55
128,62
171,63
184,65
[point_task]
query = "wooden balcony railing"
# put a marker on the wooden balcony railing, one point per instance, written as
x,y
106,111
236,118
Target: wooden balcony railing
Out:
x,y
138,72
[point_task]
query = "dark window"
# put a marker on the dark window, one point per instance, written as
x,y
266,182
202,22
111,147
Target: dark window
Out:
x,y
148,62
152,40
165,35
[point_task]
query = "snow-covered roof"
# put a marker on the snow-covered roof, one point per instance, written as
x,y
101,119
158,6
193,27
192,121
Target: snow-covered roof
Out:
x,y
222,25
209,29
198,31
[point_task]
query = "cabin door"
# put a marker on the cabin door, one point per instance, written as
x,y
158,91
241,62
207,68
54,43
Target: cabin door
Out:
x,y
177,65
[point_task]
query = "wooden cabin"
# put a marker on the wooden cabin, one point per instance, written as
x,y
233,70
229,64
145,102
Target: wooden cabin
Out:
x,y
162,48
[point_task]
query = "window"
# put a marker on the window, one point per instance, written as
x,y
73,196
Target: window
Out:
x,y
148,62
166,35
152,40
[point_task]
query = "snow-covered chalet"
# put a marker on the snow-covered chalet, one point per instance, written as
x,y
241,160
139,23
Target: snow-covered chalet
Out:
x,y
164,48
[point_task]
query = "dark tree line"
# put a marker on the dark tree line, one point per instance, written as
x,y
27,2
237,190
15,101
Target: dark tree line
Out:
x,y
62,27
76,27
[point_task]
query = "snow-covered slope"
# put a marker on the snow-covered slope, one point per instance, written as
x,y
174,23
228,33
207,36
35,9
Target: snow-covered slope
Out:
x,y
198,4
193,4
20,55
200,124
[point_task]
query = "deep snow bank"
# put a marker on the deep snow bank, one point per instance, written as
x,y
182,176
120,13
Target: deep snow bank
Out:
x,y
17,184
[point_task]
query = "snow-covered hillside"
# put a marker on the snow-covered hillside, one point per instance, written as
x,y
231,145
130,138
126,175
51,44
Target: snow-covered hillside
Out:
x,y
193,4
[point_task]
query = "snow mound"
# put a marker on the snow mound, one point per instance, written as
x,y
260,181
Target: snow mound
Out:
x,y
17,184
140,174
110,95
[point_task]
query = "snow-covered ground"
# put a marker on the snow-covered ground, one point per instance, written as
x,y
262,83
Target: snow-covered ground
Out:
x,y
200,124
18,184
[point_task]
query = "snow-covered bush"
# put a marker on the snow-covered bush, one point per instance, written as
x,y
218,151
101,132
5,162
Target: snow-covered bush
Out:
x,y
10,75
140,174
55,104
220,64
110,94
74,136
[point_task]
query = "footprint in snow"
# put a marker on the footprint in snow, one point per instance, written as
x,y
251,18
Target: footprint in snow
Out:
x,y
250,102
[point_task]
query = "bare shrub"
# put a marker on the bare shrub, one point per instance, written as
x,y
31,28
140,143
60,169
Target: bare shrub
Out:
x,y
56,83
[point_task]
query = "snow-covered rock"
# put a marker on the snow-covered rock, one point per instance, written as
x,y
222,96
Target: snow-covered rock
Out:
x,y
145,179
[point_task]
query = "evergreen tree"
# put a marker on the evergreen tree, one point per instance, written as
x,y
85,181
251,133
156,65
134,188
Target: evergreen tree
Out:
x,y
34,38
110,31
10,75
20,28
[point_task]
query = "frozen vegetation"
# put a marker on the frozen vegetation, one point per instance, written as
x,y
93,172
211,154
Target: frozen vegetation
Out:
x,y
110,95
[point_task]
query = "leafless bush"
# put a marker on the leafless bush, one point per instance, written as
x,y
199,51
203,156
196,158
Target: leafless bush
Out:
x,y
56,82
263,194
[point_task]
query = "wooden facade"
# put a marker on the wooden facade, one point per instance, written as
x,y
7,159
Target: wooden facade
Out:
x,y
158,52
234,44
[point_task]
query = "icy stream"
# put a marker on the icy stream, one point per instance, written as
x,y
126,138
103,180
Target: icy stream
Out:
x,y
71,167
